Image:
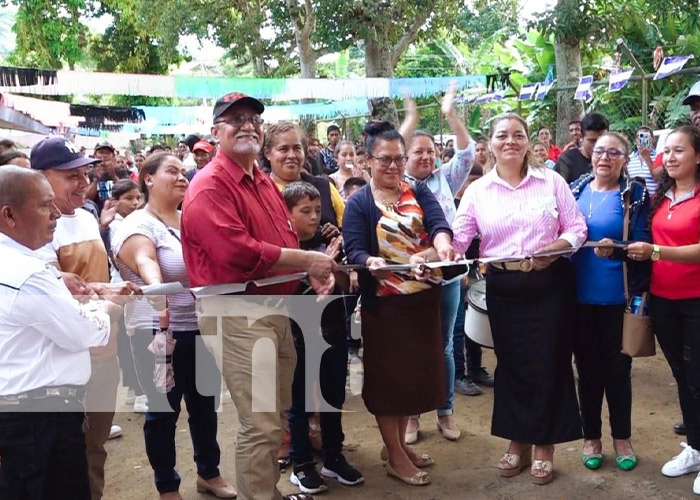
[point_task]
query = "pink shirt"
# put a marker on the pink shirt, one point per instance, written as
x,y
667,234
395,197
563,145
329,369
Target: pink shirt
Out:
x,y
518,221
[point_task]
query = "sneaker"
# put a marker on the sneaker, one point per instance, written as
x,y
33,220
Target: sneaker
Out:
x,y
306,478
342,471
115,432
467,387
141,404
684,463
297,496
130,397
482,377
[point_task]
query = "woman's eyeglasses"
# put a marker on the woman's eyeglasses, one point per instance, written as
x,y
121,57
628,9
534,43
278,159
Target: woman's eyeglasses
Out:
x,y
386,161
612,153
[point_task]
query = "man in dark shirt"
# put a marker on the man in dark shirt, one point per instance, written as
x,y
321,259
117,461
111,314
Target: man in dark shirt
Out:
x,y
105,175
236,228
577,161
328,154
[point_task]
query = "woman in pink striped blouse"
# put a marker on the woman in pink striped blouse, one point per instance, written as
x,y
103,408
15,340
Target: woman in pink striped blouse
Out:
x,y
519,210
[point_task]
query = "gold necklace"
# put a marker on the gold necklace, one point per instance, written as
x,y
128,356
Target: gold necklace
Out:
x,y
382,200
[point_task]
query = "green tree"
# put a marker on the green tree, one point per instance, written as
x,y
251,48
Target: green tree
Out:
x,y
49,32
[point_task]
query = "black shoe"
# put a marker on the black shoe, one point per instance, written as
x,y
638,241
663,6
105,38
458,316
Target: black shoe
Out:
x,y
342,471
467,387
679,428
482,377
306,478
298,496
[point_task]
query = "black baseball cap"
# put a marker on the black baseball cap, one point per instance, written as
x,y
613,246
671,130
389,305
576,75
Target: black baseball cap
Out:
x,y
693,94
105,145
59,154
223,103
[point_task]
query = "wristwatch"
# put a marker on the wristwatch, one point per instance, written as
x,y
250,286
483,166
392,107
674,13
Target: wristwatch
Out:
x,y
656,253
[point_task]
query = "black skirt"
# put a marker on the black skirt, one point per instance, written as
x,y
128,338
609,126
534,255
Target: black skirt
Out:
x,y
531,316
404,363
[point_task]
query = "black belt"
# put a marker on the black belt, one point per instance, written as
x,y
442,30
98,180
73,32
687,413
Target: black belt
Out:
x,y
62,391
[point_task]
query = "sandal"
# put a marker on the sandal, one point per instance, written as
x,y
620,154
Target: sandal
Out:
x,y
420,478
423,461
542,472
511,464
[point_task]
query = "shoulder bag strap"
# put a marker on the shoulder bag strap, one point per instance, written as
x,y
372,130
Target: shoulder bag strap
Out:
x,y
625,237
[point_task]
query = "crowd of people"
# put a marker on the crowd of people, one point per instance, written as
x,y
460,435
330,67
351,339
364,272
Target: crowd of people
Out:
x,y
254,201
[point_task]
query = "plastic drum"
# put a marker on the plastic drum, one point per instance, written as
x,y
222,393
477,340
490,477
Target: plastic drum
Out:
x,y
476,321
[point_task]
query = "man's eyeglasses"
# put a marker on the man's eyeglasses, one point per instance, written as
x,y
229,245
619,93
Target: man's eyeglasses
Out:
x,y
239,120
386,161
612,153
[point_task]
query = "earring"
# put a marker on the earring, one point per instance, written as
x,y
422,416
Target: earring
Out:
x,y
149,184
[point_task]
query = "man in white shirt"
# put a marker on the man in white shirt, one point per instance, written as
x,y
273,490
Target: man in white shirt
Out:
x,y
45,336
78,252
641,162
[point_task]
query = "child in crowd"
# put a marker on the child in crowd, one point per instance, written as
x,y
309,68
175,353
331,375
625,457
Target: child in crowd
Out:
x,y
352,186
304,204
126,198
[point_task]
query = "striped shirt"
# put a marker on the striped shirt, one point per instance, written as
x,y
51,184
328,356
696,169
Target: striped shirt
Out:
x,y
518,221
636,168
139,313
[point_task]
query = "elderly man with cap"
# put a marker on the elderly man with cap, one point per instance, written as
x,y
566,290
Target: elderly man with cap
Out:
x,y
44,359
78,252
105,175
236,228
202,152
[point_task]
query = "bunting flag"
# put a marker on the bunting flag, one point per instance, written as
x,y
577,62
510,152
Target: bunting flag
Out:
x,y
527,91
671,65
619,78
543,90
584,91
277,89
483,99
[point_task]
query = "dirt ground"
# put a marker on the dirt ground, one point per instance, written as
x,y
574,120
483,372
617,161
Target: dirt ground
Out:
x,y
465,469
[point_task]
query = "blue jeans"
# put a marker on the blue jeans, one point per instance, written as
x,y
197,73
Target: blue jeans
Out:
x,y
461,341
191,365
448,313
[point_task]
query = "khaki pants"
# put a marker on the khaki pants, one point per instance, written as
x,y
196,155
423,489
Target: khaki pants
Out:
x,y
258,363
100,401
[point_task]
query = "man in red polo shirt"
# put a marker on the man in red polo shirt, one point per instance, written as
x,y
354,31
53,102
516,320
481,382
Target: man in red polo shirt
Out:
x,y
236,228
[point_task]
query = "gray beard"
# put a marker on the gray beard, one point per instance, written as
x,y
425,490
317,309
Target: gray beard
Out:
x,y
247,149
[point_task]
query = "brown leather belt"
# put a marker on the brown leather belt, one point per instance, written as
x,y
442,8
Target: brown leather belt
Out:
x,y
523,266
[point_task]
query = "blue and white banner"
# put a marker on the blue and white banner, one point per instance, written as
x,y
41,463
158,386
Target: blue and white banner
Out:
x,y
484,98
671,65
619,78
584,91
528,91
543,90
499,95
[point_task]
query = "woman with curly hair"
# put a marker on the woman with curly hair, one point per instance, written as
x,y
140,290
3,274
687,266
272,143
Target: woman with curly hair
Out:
x,y
675,283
